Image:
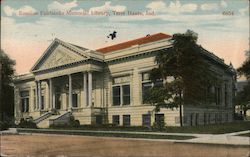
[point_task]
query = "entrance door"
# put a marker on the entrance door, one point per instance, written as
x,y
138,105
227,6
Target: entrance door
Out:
x,y
58,101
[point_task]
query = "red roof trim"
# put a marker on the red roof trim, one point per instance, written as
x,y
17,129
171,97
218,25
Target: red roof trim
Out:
x,y
139,41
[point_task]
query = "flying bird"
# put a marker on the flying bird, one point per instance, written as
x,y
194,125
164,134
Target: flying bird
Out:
x,y
112,35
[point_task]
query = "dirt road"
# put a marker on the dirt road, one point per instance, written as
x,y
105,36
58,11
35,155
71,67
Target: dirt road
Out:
x,y
85,146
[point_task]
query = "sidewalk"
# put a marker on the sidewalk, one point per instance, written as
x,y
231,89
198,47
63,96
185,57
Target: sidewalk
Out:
x,y
226,139
229,138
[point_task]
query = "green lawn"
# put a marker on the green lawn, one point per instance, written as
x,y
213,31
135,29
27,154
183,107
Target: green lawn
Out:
x,y
247,135
103,134
208,129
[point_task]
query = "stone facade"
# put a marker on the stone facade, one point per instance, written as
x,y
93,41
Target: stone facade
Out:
x,y
99,87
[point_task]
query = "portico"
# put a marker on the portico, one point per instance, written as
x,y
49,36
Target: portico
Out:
x,y
64,85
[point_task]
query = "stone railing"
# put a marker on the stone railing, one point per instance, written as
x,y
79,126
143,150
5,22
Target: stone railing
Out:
x,y
42,117
61,119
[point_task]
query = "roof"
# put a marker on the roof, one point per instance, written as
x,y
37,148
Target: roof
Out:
x,y
139,41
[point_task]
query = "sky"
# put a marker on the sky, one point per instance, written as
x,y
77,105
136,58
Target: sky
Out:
x,y
29,26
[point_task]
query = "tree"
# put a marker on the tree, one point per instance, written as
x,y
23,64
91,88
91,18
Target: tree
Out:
x,y
245,67
188,76
243,97
6,87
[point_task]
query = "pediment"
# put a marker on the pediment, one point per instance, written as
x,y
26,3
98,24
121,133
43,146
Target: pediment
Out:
x,y
58,55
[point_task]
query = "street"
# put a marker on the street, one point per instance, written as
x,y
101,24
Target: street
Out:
x,y
86,146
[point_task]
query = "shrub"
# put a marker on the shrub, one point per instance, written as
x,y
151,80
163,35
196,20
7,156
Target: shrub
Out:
x,y
3,125
159,126
26,124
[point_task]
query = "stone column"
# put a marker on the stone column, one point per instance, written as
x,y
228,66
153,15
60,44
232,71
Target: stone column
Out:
x,y
36,93
85,92
70,91
39,96
17,103
90,88
31,99
51,105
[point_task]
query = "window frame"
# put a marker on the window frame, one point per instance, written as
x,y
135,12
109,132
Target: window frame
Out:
x,y
147,124
116,121
123,120
121,85
144,81
25,99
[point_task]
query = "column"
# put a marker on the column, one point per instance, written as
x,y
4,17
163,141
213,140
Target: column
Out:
x,y
85,92
36,93
51,105
90,88
70,91
31,99
39,96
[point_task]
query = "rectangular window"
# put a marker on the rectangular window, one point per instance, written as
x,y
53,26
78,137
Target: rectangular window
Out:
x,y
121,91
148,84
126,94
42,102
217,95
205,118
145,87
116,119
196,119
24,101
159,118
126,120
226,102
74,100
116,96
146,120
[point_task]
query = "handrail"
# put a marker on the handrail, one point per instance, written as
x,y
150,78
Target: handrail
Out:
x,y
51,121
41,118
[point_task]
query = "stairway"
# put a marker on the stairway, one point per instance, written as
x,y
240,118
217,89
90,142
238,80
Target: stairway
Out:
x,y
61,118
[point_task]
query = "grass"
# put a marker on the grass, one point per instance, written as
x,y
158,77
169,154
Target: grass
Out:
x,y
208,129
104,134
247,134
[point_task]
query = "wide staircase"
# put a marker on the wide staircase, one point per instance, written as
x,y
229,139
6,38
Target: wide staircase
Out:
x,y
49,118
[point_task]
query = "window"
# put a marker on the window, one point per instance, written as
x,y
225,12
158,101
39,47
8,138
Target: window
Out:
x,y
99,119
196,119
116,119
217,95
205,118
145,87
159,118
24,101
42,102
126,94
74,100
147,84
226,117
121,91
116,96
146,120
226,102
126,120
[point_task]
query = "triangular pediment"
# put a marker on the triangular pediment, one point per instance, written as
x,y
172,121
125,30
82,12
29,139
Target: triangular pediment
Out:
x,y
58,54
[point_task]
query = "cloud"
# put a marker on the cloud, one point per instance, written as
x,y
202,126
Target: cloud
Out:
x,y
174,7
210,6
223,4
244,11
157,6
62,6
9,11
107,6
